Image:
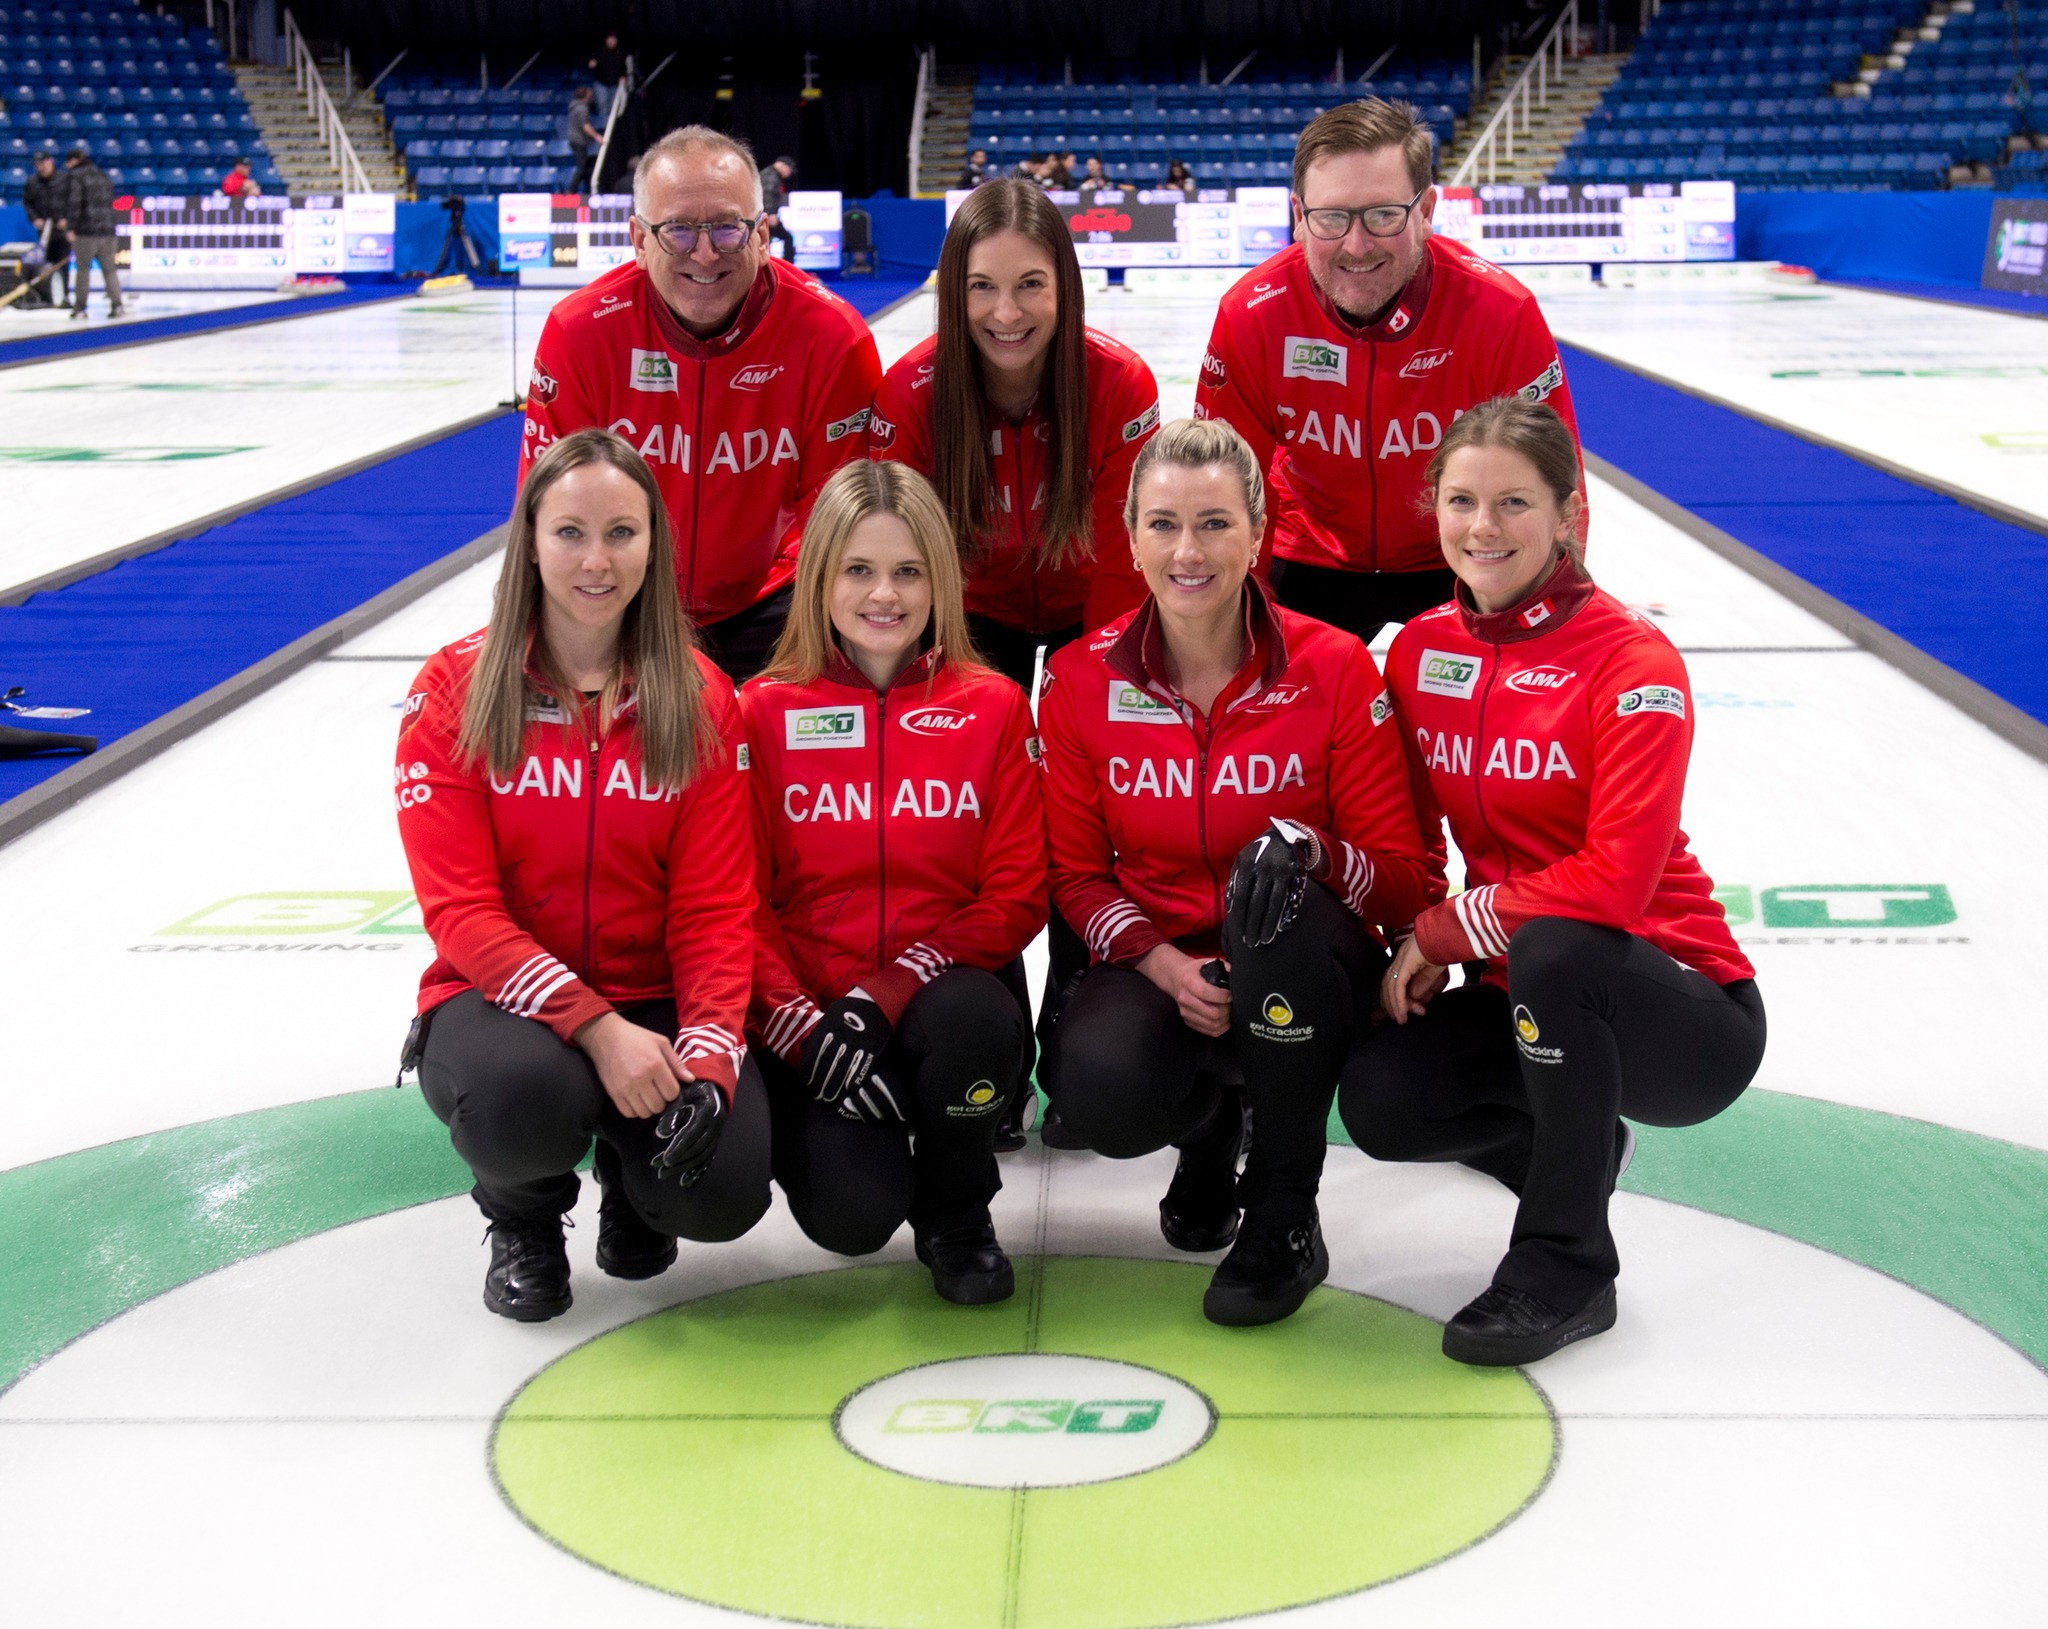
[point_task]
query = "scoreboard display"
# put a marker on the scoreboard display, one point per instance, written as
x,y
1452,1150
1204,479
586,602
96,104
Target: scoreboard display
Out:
x,y
227,242
563,233
1123,226
1592,221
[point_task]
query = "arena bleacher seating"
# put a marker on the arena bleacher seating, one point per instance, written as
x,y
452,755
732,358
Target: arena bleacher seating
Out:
x,y
1745,91
1241,134
457,138
151,99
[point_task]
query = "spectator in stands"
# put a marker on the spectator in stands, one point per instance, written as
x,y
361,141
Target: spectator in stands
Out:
x,y
607,66
42,195
1344,358
774,195
740,379
1094,177
1065,167
1179,178
975,170
582,136
1033,167
88,215
239,183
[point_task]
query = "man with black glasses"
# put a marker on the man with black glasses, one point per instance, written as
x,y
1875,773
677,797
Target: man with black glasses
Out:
x,y
743,381
1345,357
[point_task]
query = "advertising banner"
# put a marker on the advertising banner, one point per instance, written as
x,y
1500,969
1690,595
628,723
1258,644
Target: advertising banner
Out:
x,y
814,221
2017,248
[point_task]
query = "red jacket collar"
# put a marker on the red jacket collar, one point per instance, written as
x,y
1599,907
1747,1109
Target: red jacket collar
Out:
x,y
1549,605
536,675
921,671
752,313
1139,653
1402,318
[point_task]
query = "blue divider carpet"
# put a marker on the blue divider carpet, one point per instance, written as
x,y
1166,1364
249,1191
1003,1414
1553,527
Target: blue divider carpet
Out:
x,y
1965,588
1988,299
99,334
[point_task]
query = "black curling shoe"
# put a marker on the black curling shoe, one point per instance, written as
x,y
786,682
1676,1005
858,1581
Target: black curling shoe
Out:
x,y
528,1279
1267,1274
1506,1327
1200,1210
968,1266
626,1246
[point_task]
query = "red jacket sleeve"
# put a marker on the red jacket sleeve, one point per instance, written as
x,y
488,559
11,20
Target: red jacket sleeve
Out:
x,y
559,401
1010,893
781,1012
897,429
1530,365
838,427
1131,415
1231,387
1642,741
1084,883
444,821
711,900
1374,853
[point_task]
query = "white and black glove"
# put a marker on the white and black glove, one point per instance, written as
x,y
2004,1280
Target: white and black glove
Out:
x,y
1269,880
843,1047
877,1101
688,1132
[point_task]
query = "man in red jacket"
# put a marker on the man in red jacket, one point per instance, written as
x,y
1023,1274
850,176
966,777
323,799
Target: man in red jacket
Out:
x,y
1344,358
743,381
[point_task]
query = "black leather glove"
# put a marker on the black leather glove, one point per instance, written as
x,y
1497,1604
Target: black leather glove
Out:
x,y
688,1131
878,1100
1268,881
847,1042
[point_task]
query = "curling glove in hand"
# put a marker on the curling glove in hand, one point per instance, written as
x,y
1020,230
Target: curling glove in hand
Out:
x,y
846,1044
878,1100
1268,881
688,1131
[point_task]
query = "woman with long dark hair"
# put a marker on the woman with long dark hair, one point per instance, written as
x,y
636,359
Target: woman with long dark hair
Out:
x,y
901,833
1027,422
571,798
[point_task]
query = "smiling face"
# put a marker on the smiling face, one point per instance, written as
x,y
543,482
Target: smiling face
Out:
x,y
1013,307
702,185
591,542
880,598
1358,273
1500,525
1194,539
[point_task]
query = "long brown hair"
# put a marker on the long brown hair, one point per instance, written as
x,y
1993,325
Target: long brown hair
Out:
x,y
960,427
656,650
1538,433
856,491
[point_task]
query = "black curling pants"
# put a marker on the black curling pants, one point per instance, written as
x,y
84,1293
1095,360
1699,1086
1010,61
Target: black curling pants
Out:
x,y
523,1106
1129,1077
1360,602
1527,1084
743,642
851,1184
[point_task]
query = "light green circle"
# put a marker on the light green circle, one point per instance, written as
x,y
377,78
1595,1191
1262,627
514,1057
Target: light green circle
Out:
x,y
694,1451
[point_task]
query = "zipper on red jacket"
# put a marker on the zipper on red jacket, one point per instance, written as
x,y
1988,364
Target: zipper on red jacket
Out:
x,y
696,493
590,849
1372,473
881,835
1025,553
1478,773
1202,807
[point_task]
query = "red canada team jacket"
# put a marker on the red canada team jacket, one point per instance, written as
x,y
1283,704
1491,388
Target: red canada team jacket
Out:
x,y
1346,419
898,834
575,887
1148,802
1007,583
741,430
1554,736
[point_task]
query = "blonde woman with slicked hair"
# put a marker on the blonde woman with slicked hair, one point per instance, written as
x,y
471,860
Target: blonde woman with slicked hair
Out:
x,y
572,799
899,825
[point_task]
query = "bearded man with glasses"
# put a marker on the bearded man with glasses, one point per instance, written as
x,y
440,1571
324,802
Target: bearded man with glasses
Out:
x,y
1344,358
742,381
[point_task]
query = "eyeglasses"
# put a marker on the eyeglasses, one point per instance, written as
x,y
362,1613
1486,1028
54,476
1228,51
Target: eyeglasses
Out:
x,y
680,237
1380,221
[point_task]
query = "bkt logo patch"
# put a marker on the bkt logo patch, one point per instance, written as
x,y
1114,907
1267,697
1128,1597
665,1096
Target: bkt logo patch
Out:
x,y
1423,362
1313,359
935,721
809,728
755,377
1130,705
1028,1416
1441,673
1540,681
652,370
1650,698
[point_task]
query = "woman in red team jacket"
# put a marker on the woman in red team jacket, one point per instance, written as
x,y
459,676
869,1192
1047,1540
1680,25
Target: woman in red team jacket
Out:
x,y
1229,817
571,800
1550,725
901,833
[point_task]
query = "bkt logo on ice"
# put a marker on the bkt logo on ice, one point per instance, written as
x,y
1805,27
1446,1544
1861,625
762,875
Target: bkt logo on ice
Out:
x,y
1123,1416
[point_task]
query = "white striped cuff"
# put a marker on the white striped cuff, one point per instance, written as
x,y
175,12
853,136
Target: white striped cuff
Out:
x,y
528,989
1482,926
709,1041
925,962
790,1023
1358,877
1102,929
